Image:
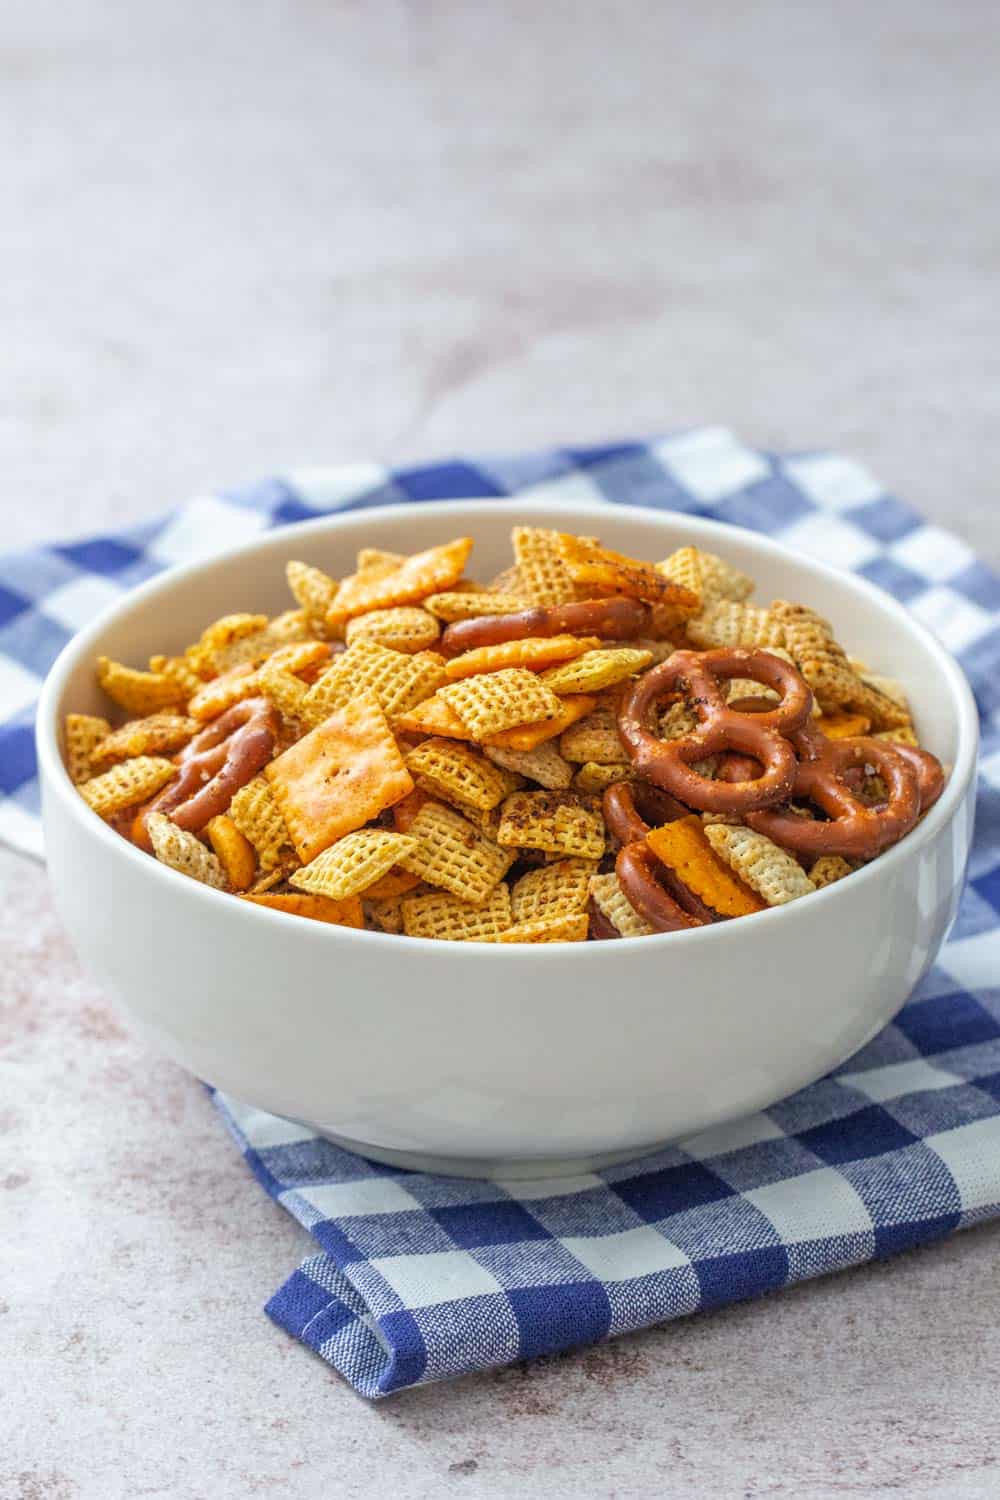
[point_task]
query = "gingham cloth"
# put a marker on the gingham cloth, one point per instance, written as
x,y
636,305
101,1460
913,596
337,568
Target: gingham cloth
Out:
x,y
418,1278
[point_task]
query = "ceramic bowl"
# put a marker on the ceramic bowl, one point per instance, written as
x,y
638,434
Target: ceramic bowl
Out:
x,y
511,1061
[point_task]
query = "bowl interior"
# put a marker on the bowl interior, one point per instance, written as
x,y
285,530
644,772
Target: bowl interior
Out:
x,y
167,614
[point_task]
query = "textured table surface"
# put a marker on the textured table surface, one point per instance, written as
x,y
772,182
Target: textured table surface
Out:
x,y
239,237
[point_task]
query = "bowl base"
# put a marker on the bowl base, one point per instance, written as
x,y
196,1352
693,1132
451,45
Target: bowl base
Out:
x,y
523,1170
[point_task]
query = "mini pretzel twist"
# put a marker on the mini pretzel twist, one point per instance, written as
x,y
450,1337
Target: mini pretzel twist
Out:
x,y
643,879
658,889
760,735
614,619
215,765
855,829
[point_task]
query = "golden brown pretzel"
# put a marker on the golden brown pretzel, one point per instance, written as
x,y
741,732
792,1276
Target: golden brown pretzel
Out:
x,y
215,765
632,808
615,619
641,877
854,830
761,735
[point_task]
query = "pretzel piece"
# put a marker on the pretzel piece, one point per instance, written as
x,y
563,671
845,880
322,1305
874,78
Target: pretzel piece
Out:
x,y
721,727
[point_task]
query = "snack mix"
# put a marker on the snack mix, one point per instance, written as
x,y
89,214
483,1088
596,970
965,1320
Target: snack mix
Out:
x,y
589,746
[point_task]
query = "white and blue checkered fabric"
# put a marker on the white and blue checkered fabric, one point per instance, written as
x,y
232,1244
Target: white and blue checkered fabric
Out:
x,y
417,1278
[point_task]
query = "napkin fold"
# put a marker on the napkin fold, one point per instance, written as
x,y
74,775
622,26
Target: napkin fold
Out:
x,y
416,1277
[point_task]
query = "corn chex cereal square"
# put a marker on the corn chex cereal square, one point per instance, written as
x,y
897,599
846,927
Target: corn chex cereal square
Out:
x,y
595,778
612,902
552,890
353,863
137,692
452,854
729,623
158,734
397,680
595,670
496,701
128,783
446,917
339,776
705,574
571,927
258,817
473,605
595,737
406,628
543,576
313,590
82,734
183,852
544,764
455,773
556,822
769,870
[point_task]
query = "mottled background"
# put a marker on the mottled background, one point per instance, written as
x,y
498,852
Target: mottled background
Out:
x,y
248,234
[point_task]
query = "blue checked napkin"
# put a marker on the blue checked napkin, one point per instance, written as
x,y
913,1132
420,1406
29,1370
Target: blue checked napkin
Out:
x,y
417,1278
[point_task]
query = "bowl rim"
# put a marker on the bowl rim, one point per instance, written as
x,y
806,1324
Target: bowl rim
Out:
x,y
53,772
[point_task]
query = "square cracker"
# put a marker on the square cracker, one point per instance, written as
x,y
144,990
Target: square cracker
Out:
x,y
338,777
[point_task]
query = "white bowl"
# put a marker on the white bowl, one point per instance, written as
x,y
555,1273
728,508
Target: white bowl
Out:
x,y
506,1060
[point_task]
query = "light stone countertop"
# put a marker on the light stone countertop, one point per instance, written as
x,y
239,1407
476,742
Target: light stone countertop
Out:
x,y
241,237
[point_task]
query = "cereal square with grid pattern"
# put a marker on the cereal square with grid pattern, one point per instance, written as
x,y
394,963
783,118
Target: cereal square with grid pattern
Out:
x,y
453,772
496,701
396,679
450,919
452,854
556,822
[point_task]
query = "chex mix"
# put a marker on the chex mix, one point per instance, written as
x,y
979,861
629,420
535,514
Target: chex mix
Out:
x,y
590,746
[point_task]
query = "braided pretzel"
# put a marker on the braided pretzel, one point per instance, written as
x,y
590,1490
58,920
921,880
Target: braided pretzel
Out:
x,y
761,735
855,830
615,619
213,767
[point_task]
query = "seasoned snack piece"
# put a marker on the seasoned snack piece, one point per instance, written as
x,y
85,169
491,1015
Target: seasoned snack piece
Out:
x,y
314,591
207,655
844,726
396,680
127,784
214,697
543,575
424,573
705,574
594,778
556,822
221,759
449,919
233,850
656,893
470,606
284,690
598,570
595,737
319,908
353,864
372,559
904,735
83,733
534,652
453,855
556,890
393,884
825,666
827,869
183,852
138,692
158,734
433,716
385,915
531,736
544,764
405,628
614,619
727,623
454,773
765,867
337,777
683,846
496,701
258,817
571,928
612,902
596,670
